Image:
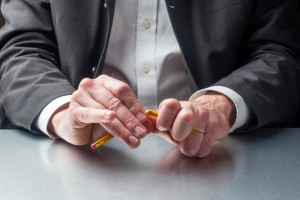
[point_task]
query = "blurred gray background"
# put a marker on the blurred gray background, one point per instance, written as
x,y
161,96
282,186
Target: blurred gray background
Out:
x,y
1,17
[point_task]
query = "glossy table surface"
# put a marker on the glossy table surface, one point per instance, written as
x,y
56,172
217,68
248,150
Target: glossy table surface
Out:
x,y
261,165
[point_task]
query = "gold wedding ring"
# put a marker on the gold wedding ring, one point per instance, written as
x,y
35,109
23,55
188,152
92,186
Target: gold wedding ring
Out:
x,y
195,129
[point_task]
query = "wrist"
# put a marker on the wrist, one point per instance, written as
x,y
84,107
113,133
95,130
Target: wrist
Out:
x,y
56,119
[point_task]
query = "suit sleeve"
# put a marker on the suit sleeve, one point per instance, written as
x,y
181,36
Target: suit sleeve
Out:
x,y
29,62
268,77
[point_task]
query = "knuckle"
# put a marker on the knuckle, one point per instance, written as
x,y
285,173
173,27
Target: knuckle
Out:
x,y
203,114
76,95
102,77
85,83
170,103
122,132
72,111
122,90
187,115
129,121
114,103
214,122
85,113
133,105
118,131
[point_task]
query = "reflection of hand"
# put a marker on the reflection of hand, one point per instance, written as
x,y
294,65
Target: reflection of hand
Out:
x,y
70,160
74,168
213,113
217,165
98,106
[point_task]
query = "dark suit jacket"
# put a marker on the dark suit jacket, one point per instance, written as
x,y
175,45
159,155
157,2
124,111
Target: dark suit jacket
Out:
x,y
250,46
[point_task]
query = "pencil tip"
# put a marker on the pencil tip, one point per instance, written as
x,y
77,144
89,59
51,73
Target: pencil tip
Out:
x,y
93,146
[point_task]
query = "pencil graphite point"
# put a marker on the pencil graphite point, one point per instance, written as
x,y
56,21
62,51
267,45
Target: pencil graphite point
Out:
x,y
101,141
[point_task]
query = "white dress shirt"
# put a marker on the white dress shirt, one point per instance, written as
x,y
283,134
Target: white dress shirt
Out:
x,y
144,53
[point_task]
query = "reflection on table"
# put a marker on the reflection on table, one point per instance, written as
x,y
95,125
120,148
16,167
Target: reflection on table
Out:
x,y
259,165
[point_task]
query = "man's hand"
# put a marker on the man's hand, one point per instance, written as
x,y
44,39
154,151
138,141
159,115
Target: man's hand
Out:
x,y
99,106
213,113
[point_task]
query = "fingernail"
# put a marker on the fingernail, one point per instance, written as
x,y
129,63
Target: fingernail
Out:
x,y
161,128
133,140
141,116
139,131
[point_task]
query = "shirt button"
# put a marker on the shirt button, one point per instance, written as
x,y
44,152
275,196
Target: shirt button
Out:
x,y
146,68
147,24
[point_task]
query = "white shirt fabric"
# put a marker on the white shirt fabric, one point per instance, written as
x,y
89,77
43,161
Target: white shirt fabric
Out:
x,y
144,53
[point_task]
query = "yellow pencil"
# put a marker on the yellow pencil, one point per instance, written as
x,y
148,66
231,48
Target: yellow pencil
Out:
x,y
101,141
108,137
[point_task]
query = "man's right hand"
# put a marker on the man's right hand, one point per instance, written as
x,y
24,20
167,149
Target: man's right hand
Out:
x,y
100,106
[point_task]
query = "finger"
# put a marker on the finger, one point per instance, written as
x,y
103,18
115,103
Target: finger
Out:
x,y
84,99
131,121
86,110
167,136
183,124
117,129
191,145
150,125
216,127
83,115
124,95
206,145
168,110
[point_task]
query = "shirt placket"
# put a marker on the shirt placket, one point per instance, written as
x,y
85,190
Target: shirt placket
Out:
x,y
145,52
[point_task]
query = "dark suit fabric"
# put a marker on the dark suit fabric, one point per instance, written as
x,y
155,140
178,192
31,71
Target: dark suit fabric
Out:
x,y
250,46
